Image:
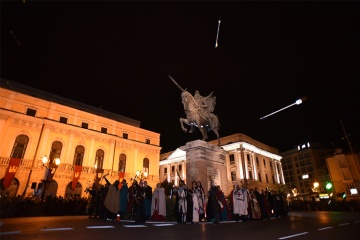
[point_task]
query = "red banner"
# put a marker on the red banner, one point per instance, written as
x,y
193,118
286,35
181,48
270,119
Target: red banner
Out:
x,y
121,175
76,177
10,171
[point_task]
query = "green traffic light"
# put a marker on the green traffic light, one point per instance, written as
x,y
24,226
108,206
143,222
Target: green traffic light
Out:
x,y
328,186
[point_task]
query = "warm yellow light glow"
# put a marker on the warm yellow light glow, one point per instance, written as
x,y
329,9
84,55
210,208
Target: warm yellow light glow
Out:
x,y
57,161
45,159
145,174
137,173
316,184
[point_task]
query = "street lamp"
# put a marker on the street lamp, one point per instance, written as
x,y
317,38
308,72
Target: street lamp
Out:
x,y
316,185
49,173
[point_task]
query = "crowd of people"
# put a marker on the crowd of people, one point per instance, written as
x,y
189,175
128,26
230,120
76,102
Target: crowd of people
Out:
x,y
195,204
137,202
140,203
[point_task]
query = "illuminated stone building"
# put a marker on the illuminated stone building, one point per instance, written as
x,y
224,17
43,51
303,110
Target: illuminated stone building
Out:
x,y
247,160
89,142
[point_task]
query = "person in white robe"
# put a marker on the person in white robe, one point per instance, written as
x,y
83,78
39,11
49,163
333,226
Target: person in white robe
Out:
x,y
240,203
158,204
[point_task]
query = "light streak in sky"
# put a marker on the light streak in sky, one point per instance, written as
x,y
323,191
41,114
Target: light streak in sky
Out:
x,y
12,33
217,34
298,102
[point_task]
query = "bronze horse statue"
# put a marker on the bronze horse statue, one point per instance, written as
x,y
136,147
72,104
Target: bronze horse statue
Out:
x,y
199,113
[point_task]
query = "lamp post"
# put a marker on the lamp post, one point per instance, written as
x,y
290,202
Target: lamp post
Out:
x,y
316,185
49,173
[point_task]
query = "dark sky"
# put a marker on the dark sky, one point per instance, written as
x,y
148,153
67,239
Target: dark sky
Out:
x,y
118,55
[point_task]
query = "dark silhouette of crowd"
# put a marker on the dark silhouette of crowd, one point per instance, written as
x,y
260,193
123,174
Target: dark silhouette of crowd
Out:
x,y
51,206
181,204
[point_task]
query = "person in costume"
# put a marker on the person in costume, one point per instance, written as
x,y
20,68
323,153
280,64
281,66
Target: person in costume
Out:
x,y
147,200
194,192
181,197
261,199
254,206
124,191
202,201
112,201
158,204
240,202
225,213
140,203
213,206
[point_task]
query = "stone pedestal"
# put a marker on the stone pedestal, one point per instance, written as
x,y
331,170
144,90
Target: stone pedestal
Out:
x,y
204,160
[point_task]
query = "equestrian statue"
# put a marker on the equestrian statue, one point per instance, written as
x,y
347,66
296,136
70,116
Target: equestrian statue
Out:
x,y
199,113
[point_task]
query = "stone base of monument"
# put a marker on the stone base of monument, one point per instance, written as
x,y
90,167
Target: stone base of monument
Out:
x,y
205,160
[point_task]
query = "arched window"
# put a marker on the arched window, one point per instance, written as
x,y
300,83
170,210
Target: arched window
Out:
x,y
122,163
99,159
146,166
55,151
79,155
19,147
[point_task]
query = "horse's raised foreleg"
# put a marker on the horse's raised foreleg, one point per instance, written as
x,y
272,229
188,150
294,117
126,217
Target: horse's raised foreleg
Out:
x,y
182,121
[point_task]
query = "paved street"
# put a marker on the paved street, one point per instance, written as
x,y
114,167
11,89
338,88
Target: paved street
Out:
x,y
299,225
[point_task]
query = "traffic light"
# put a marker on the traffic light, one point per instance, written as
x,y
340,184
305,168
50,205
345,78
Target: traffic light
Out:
x,y
343,194
328,186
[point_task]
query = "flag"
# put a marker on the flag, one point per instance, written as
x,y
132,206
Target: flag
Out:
x,y
76,177
121,175
10,171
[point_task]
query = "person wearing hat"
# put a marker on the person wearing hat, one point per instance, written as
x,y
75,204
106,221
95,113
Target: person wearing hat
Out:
x,y
124,190
112,202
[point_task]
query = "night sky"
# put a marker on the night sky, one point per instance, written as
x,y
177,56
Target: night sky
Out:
x,y
118,55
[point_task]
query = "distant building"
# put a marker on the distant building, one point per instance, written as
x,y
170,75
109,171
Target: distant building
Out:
x,y
247,160
90,143
344,170
306,172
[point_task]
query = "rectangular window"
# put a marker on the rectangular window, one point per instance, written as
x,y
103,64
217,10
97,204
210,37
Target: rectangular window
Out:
x,y
63,120
180,168
103,130
232,159
84,125
267,179
31,112
259,176
250,175
172,169
125,135
257,161
147,141
165,170
264,162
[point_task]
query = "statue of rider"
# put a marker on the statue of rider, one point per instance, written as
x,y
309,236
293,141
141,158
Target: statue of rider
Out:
x,y
206,106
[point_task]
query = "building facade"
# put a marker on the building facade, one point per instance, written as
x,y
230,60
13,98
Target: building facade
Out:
x,y
344,171
247,160
89,142
305,169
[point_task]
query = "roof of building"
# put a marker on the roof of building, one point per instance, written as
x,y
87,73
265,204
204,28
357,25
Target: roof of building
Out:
x,y
21,88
